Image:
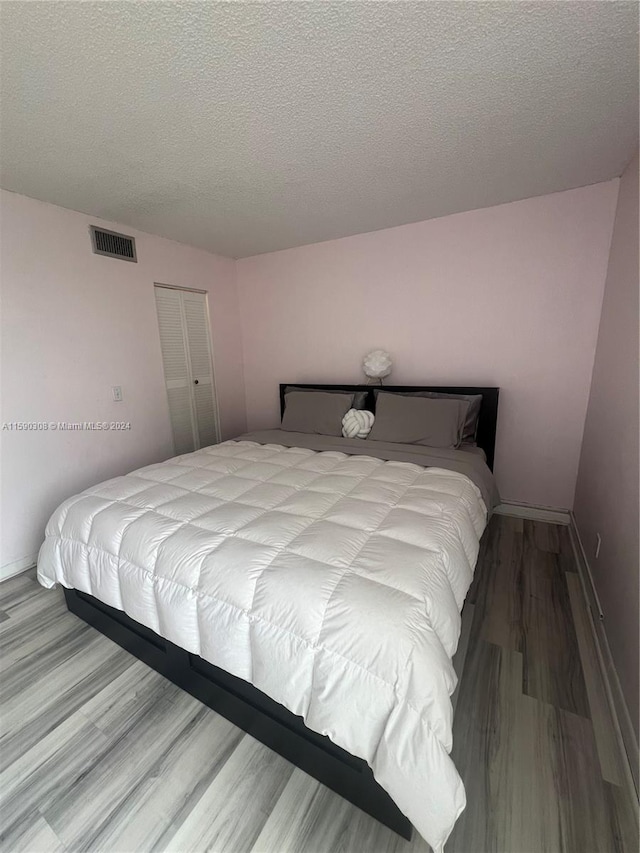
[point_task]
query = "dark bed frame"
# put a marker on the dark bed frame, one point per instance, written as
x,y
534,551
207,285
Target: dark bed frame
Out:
x,y
246,706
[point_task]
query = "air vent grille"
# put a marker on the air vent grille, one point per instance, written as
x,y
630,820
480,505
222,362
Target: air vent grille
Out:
x,y
113,245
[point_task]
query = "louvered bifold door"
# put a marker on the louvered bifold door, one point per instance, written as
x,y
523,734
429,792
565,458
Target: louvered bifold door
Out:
x,y
188,371
201,367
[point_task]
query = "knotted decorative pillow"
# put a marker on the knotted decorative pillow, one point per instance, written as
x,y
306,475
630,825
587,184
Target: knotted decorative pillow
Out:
x,y
357,423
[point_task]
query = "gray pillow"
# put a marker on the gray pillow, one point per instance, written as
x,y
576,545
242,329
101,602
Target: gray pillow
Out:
x,y
315,412
429,421
473,412
359,397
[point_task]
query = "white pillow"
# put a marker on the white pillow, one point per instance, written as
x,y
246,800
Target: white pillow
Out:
x,y
357,423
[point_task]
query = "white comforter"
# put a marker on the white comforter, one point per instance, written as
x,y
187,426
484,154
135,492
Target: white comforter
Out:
x,y
333,583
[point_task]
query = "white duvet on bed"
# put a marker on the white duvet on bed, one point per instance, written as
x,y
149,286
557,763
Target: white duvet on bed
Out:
x,y
333,583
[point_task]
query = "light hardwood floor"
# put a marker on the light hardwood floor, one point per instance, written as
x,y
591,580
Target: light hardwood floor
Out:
x,y
100,753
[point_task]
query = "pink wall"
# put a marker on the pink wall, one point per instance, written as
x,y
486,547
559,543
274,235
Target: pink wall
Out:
x,y
606,500
507,296
74,324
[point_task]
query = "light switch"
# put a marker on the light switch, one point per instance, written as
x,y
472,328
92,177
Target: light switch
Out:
x,y
116,390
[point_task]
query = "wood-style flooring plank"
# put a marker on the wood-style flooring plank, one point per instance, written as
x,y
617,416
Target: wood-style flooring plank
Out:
x,y
42,773
164,798
552,671
585,813
38,837
127,698
16,590
27,602
79,813
319,812
20,644
357,832
530,770
40,706
324,821
220,820
21,673
502,598
484,726
542,535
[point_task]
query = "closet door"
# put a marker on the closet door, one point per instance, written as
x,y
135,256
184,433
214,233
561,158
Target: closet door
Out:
x,y
201,367
186,356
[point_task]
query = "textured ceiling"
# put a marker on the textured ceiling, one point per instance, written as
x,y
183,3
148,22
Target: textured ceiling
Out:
x,y
244,128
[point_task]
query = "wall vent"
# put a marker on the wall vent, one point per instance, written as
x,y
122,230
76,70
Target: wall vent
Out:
x,y
113,245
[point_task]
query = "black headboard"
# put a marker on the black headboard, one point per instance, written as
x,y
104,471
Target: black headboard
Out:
x,y
486,436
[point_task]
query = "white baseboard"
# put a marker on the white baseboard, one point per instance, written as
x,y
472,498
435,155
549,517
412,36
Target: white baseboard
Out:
x,y
10,570
536,513
625,731
584,569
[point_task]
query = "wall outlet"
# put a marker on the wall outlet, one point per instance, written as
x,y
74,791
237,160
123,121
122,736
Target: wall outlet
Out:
x,y
116,391
598,544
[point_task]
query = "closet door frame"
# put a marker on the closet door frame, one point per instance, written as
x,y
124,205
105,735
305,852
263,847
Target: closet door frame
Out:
x,y
194,420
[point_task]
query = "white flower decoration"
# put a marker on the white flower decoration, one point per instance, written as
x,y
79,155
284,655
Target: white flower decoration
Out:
x,y
377,364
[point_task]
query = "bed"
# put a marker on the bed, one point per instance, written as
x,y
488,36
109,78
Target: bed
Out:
x,y
307,587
